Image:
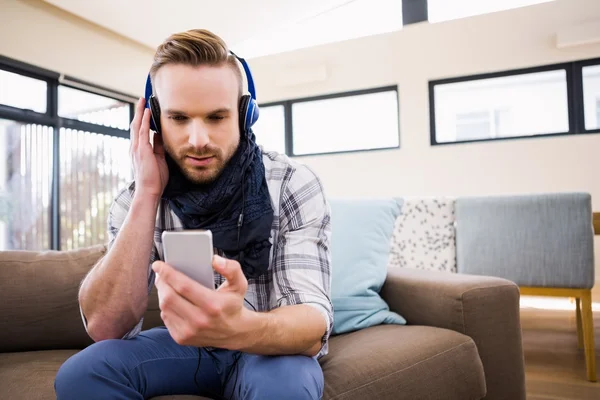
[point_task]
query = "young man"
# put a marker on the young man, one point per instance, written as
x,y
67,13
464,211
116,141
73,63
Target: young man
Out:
x,y
260,335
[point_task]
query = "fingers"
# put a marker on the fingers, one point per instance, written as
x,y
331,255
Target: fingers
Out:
x,y
144,132
192,291
232,271
168,300
173,304
137,120
179,330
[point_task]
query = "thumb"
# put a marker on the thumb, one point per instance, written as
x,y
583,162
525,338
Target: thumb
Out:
x,y
232,272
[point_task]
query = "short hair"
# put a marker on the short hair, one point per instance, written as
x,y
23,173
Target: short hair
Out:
x,y
196,47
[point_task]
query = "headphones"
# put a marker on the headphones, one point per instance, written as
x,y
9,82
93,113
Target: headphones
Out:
x,y
248,105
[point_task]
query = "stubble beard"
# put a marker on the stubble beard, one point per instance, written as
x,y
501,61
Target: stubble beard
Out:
x,y
202,175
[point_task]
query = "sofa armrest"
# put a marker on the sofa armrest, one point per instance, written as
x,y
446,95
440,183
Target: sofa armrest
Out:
x,y
483,308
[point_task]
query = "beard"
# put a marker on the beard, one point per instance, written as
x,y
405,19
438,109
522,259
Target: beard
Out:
x,y
202,175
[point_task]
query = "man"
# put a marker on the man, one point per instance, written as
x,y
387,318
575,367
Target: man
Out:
x,y
261,333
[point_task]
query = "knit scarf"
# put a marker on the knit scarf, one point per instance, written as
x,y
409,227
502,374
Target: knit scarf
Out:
x,y
236,207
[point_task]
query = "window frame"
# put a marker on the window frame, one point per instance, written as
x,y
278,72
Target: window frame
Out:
x,y
288,118
52,119
579,93
574,99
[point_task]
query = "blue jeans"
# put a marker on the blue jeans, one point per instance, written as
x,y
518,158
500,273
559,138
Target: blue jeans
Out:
x,y
152,364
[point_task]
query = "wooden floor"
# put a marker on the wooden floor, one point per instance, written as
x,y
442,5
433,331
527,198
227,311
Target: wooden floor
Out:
x,y
554,367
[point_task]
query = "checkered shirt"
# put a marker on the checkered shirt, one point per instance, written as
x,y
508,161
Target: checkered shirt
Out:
x,y
300,259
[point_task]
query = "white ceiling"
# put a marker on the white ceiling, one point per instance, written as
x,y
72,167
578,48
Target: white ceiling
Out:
x,y
150,21
254,28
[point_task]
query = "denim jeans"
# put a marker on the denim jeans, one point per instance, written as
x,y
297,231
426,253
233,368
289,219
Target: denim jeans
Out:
x,y
152,364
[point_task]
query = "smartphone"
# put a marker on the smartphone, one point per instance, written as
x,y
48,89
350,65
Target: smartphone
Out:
x,y
191,252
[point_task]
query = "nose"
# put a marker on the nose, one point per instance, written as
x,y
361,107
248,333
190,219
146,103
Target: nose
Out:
x,y
198,135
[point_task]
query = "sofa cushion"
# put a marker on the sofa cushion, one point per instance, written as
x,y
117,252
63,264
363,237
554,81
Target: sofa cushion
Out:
x,y
382,362
424,235
39,308
403,362
533,240
30,375
360,246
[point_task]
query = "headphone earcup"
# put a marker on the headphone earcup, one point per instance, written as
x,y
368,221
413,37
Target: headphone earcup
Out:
x,y
251,113
244,100
155,114
248,112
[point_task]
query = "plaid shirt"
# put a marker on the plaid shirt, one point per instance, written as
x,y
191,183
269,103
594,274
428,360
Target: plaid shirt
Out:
x,y
300,258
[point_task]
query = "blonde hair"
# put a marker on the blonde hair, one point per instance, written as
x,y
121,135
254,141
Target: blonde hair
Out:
x,y
194,48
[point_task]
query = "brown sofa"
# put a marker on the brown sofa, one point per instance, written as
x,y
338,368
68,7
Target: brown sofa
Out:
x,y
463,340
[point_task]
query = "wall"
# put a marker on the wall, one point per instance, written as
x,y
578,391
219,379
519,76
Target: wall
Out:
x,y
410,58
40,34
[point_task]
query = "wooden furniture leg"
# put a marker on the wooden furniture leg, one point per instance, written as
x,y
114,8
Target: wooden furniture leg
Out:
x,y
584,305
579,327
587,322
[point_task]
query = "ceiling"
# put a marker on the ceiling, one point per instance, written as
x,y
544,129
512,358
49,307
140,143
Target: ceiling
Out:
x,y
254,28
149,22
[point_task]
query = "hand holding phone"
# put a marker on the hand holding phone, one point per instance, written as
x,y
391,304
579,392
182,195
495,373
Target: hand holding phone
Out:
x,y
191,252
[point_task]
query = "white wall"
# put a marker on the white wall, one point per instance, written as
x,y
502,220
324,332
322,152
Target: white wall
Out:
x,y
35,32
40,34
410,58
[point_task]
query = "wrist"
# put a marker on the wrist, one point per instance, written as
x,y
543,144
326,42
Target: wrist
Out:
x,y
142,198
253,329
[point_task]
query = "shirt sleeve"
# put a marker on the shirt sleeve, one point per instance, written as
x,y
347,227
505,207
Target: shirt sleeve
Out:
x,y
116,217
302,258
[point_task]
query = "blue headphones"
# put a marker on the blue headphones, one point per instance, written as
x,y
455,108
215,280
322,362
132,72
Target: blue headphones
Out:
x,y
248,106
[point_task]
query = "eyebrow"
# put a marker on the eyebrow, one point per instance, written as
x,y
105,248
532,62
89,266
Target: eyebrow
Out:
x,y
171,111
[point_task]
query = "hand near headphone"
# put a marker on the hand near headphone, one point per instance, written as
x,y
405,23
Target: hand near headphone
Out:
x,y
149,164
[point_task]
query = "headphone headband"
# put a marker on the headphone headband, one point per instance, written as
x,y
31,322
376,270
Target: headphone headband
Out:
x,y
251,88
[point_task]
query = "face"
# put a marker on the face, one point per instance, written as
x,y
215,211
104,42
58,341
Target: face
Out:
x,y
199,117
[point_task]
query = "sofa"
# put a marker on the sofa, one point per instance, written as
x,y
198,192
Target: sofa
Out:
x,y
461,338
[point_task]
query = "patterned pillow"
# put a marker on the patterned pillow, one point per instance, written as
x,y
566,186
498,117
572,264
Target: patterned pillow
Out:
x,y
424,235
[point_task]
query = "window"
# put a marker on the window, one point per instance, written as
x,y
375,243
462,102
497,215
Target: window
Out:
x,y
444,10
93,168
597,113
92,108
65,155
22,92
487,124
269,129
591,96
514,104
352,121
25,185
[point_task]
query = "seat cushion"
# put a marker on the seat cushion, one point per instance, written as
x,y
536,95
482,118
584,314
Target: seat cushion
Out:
x,y
383,362
30,375
403,362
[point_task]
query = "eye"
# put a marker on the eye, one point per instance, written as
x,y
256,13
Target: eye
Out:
x,y
178,117
216,117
